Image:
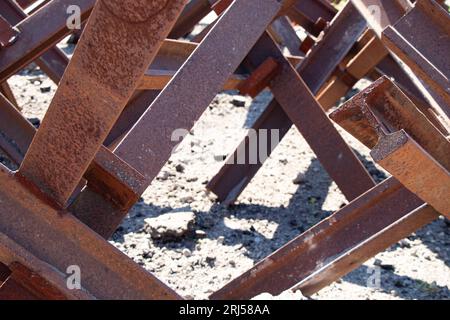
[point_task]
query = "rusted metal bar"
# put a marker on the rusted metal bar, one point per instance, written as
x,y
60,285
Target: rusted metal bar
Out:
x,y
297,101
380,14
158,79
231,180
391,68
35,284
6,90
363,218
38,34
424,50
307,44
346,28
385,120
56,238
259,79
282,31
36,6
11,289
8,34
385,109
106,182
195,11
406,160
365,61
334,247
16,132
382,106
25,3
189,105
138,148
220,6
307,12
54,61
356,256
101,86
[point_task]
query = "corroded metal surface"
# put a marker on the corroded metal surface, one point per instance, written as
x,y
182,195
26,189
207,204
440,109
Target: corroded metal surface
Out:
x,y
115,50
67,165
402,139
291,92
418,171
58,239
231,180
381,109
146,152
188,105
362,218
426,49
356,256
38,33
54,61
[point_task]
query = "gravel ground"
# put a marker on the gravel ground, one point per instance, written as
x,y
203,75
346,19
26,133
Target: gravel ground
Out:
x,y
225,242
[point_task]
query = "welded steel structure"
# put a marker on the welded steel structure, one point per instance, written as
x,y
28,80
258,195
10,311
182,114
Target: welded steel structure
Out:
x,y
131,82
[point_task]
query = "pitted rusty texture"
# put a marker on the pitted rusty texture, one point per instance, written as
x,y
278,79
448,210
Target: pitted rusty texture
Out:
x,y
367,215
382,108
342,35
57,238
149,145
110,59
43,29
418,171
135,11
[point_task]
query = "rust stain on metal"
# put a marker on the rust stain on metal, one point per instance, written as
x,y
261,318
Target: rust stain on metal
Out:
x,y
188,105
363,217
426,49
340,38
406,160
259,79
58,239
109,61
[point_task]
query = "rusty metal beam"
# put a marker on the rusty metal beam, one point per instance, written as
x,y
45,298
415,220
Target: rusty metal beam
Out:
x,y
356,256
346,239
391,68
8,34
383,108
16,132
297,101
231,180
158,79
363,62
424,50
406,160
307,12
195,11
6,90
56,238
38,33
363,218
54,61
282,31
138,148
346,29
25,3
402,139
186,107
101,77
380,14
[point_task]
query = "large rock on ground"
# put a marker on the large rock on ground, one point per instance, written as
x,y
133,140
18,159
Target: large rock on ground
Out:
x,y
171,226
